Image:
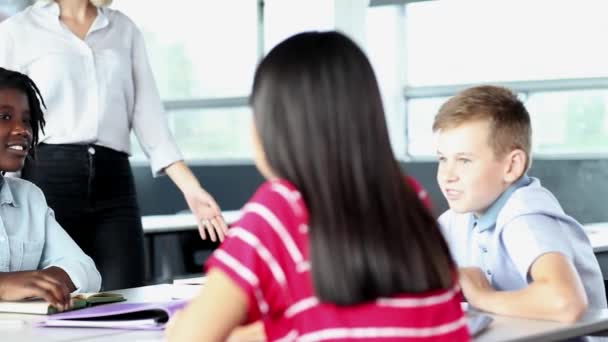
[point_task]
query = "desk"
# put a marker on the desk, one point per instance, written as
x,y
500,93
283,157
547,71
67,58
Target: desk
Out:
x,y
511,329
503,328
170,263
158,224
159,232
30,333
598,236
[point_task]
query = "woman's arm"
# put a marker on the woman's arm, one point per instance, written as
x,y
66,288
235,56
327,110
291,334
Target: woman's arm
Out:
x,y
203,206
152,130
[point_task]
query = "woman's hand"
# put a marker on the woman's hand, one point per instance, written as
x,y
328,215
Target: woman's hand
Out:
x,y
207,213
41,283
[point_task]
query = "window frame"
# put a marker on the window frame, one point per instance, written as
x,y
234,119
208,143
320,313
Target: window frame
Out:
x,y
525,88
215,103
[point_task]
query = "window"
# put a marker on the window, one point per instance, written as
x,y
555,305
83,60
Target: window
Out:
x,y
201,51
283,18
505,40
198,49
420,115
197,130
208,133
563,122
383,40
569,122
559,69
10,7
208,50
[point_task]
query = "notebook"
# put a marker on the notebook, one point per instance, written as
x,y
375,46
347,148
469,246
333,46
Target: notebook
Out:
x,y
478,323
185,291
137,316
39,306
190,281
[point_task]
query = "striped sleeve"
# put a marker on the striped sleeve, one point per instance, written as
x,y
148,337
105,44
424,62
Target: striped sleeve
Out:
x,y
420,191
249,255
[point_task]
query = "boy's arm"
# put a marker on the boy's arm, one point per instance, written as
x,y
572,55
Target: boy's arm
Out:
x,y
555,293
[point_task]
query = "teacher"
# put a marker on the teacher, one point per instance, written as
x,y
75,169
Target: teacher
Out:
x,y
93,72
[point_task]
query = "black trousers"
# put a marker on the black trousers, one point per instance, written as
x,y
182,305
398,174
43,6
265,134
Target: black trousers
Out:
x,y
92,191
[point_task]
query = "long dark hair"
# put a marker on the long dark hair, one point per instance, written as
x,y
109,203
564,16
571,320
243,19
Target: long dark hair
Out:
x,y
318,111
14,80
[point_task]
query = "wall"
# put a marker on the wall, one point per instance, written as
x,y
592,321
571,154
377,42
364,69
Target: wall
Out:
x,y
580,185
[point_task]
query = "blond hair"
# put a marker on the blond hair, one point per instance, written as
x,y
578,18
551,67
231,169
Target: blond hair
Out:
x,y
510,126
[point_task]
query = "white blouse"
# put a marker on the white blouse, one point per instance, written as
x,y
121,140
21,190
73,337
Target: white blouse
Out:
x,y
95,89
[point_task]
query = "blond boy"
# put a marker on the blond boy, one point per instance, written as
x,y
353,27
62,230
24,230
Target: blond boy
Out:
x,y
519,254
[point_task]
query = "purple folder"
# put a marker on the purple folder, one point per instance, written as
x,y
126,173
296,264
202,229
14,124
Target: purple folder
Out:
x,y
125,315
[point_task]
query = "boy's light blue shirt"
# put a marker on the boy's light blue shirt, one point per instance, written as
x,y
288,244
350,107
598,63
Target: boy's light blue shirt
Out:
x,y
31,238
525,222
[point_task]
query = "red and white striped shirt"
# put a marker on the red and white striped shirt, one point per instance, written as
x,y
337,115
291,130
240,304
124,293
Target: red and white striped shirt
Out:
x,y
423,196
266,255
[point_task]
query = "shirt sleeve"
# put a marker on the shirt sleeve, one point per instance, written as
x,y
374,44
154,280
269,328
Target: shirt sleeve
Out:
x,y
150,122
423,195
61,251
541,234
6,49
248,257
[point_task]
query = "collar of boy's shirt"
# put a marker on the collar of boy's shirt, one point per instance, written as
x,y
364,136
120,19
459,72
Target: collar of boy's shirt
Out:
x,y
52,7
6,196
488,219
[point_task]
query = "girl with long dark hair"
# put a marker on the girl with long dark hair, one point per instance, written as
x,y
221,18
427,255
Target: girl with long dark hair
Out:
x,y
335,245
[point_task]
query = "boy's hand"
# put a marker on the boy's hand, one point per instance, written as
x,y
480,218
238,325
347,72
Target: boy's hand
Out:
x,y
41,283
474,285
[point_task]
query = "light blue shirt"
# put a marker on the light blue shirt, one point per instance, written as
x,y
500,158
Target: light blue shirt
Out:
x,y
31,238
525,222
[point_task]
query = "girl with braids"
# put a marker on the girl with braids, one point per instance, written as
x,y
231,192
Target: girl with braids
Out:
x,y
37,257
91,66
335,245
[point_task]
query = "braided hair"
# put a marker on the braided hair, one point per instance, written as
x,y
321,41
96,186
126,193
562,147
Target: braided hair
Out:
x,y
14,80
